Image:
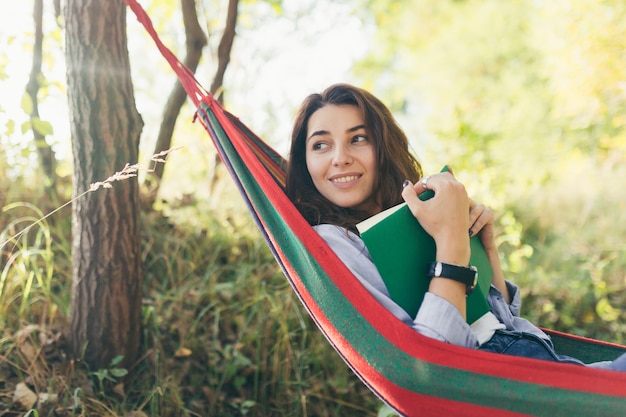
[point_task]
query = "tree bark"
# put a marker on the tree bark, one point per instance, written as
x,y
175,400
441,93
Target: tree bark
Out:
x,y
225,47
105,127
46,154
196,40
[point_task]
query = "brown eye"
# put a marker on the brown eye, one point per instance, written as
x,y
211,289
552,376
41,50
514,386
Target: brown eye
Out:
x,y
318,146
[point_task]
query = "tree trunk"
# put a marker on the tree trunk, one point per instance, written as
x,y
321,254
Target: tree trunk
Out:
x,y
105,126
195,41
224,48
46,154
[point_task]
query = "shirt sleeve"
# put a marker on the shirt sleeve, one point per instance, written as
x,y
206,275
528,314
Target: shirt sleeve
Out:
x,y
516,299
509,314
499,305
437,318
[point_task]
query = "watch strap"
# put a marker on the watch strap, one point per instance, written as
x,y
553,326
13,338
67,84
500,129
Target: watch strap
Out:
x,y
467,275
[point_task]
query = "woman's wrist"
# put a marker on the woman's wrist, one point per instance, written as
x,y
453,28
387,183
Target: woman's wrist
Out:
x,y
455,251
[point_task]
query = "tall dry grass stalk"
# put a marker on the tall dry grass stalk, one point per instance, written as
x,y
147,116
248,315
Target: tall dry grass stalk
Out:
x,y
129,171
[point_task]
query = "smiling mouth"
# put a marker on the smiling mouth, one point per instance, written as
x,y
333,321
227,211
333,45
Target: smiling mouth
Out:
x,y
345,179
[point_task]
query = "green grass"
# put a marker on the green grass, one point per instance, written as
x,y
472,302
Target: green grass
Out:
x,y
223,332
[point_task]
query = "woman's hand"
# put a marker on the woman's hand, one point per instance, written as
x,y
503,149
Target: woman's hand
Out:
x,y
481,220
482,223
446,218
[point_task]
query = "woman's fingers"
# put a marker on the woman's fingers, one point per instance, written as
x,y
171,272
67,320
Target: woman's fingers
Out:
x,y
449,208
410,191
476,211
479,217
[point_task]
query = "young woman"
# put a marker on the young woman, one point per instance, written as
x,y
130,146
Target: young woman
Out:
x,y
349,160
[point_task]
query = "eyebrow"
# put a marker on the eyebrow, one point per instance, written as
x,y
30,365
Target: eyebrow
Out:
x,y
326,132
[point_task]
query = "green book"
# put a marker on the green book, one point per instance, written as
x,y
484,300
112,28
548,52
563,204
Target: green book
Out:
x,y
402,252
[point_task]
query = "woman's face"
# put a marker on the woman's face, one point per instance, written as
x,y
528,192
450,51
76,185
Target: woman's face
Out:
x,y
341,159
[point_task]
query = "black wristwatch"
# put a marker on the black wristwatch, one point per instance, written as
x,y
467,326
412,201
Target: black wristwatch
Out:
x,y
467,275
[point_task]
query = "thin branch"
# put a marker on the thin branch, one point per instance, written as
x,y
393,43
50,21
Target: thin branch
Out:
x,y
225,47
196,40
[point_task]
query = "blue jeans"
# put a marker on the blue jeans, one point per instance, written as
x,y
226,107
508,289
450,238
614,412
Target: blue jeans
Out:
x,y
525,344
530,346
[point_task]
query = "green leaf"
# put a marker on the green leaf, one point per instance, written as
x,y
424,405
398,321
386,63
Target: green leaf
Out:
x,y
116,360
386,411
10,127
118,372
42,127
27,103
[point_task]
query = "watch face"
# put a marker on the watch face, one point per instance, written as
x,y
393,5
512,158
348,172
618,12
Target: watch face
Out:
x,y
475,276
438,269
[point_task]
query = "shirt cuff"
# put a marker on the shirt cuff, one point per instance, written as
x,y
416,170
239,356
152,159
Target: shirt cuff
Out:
x,y
439,319
516,299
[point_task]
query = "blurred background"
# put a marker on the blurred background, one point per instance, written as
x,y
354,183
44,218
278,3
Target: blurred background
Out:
x,y
525,99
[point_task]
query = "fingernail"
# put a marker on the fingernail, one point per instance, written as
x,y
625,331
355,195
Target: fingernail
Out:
x,y
405,183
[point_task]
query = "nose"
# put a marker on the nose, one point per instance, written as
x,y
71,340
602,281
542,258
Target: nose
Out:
x,y
342,156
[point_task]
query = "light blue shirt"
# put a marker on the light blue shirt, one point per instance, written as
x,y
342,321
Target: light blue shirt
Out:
x,y
436,318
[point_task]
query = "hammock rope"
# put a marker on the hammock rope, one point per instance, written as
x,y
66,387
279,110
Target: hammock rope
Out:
x,y
413,374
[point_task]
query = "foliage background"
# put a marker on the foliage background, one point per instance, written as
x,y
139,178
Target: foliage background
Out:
x,y
525,99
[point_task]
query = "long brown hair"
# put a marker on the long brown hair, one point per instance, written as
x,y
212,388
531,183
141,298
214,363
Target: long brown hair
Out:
x,y
394,161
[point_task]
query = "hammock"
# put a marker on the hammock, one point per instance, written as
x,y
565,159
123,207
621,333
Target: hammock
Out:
x,y
413,374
